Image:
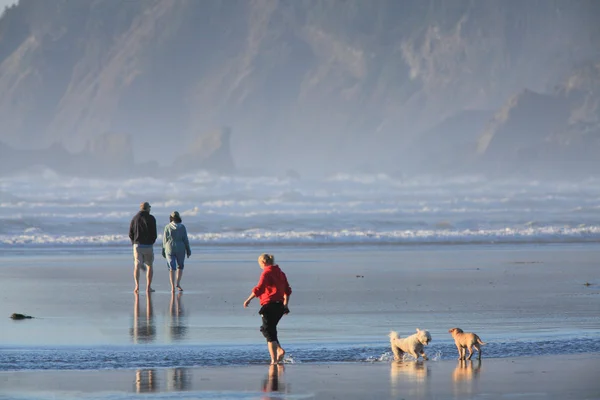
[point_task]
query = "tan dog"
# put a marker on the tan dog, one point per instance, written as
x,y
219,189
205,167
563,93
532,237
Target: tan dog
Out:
x,y
466,340
412,345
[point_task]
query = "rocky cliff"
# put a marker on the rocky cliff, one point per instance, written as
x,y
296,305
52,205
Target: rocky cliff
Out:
x,y
315,86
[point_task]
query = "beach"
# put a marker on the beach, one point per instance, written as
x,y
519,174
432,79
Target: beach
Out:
x,y
545,377
536,307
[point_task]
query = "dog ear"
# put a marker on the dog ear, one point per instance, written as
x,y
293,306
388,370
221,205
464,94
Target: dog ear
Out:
x,y
418,330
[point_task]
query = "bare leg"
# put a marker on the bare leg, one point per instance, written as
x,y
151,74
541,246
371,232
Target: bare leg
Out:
x,y
280,353
273,351
179,274
149,275
172,280
136,278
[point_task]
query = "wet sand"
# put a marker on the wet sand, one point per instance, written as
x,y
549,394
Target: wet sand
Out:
x,y
546,377
505,294
340,295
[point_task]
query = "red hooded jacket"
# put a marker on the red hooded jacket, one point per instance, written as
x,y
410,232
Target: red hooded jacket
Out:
x,y
272,285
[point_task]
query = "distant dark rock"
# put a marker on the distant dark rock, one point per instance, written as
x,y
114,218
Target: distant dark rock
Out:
x,y
447,147
550,135
520,125
210,152
111,154
18,316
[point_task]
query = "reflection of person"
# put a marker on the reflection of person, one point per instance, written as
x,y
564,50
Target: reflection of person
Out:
x,y
178,330
175,246
143,330
142,232
271,382
179,379
145,381
273,292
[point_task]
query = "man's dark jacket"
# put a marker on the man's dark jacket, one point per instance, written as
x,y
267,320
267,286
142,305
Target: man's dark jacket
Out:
x,y
142,229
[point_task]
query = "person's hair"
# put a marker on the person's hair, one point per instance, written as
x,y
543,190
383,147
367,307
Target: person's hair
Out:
x,y
175,218
267,259
145,206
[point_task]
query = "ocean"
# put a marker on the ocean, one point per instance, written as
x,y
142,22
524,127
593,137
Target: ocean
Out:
x,y
42,208
514,261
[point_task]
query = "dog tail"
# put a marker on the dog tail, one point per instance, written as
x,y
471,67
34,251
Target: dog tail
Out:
x,y
479,340
393,335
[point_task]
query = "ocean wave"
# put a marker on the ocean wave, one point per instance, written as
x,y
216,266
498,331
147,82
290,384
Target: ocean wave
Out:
x,y
130,357
445,235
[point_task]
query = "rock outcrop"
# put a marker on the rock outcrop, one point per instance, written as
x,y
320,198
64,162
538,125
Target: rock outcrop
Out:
x,y
209,152
547,134
112,155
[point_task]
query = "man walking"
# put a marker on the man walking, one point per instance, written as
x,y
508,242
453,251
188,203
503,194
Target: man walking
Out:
x,y
142,232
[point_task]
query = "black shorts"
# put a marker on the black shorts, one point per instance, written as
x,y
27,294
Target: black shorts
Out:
x,y
271,313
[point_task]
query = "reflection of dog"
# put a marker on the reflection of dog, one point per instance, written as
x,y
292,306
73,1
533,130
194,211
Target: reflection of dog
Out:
x,y
466,371
412,345
466,340
409,371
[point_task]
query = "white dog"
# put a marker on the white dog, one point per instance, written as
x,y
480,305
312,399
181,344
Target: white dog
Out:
x,y
412,345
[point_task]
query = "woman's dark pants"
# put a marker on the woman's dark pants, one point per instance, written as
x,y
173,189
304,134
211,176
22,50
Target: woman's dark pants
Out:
x,y
271,314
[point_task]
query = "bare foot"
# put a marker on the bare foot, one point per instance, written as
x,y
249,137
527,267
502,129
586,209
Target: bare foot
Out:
x,y
280,354
136,290
179,288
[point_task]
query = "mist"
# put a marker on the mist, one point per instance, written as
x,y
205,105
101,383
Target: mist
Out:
x,y
137,88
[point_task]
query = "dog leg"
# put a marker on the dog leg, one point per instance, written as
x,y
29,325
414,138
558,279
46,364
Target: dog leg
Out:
x,y
478,347
470,352
414,354
460,355
397,353
424,355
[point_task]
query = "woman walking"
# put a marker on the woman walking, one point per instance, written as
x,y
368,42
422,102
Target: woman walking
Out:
x,y
175,246
273,292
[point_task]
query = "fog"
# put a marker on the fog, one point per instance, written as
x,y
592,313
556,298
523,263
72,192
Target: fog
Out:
x,y
43,209
312,89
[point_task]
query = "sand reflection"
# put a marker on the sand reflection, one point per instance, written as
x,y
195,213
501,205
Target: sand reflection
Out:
x,y
272,384
146,381
179,379
177,328
408,372
466,370
465,376
143,329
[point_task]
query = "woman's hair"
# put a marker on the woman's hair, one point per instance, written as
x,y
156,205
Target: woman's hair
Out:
x,y
267,259
175,217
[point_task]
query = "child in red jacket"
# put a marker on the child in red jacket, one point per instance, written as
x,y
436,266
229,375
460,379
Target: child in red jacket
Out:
x,y
273,292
